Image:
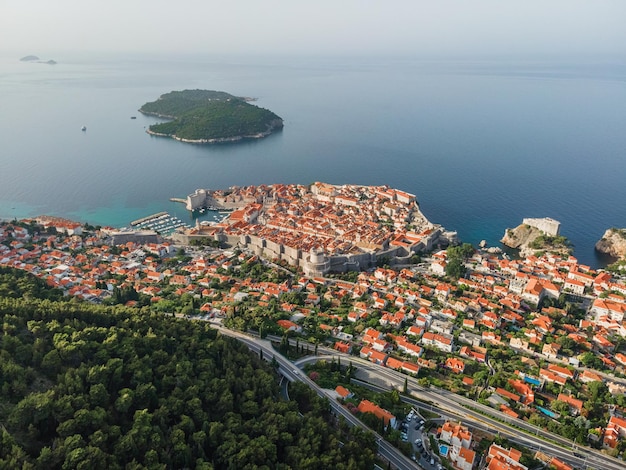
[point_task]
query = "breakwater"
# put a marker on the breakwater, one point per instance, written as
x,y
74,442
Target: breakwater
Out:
x,y
147,218
162,223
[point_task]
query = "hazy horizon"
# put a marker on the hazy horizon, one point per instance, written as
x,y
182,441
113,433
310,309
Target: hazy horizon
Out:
x,y
350,27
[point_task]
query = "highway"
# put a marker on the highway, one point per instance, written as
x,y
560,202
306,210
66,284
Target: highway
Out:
x,y
291,372
442,402
448,403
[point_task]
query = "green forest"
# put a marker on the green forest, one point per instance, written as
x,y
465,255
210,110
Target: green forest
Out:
x,y
88,386
206,115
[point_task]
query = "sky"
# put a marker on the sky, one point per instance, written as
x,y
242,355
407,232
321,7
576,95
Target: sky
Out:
x,y
51,28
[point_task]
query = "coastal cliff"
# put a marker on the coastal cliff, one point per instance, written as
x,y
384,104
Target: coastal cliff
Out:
x,y
530,240
613,243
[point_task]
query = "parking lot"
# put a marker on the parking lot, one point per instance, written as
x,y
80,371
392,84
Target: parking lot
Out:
x,y
412,431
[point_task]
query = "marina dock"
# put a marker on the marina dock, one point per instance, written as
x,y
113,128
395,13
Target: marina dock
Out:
x,y
148,218
162,222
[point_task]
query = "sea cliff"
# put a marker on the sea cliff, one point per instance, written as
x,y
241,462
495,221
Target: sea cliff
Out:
x,y
613,243
530,240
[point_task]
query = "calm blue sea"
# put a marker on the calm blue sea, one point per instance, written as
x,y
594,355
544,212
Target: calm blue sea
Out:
x,y
481,143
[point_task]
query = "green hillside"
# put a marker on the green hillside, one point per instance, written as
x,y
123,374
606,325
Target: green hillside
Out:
x,y
85,386
209,116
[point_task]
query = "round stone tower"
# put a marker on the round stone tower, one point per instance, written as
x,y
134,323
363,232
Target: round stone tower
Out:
x,y
317,263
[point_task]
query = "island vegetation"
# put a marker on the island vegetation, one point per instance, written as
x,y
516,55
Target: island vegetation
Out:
x,y
206,116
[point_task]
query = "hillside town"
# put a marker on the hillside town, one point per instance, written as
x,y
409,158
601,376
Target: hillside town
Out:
x,y
540,339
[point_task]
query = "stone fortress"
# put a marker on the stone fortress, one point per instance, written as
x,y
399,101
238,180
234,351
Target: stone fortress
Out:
x,y
547,225
321,227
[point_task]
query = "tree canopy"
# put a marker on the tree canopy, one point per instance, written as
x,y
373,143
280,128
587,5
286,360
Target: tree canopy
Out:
x,y
90,386
203,115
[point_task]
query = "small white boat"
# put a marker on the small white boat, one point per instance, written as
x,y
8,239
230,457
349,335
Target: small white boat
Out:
x,y
84,128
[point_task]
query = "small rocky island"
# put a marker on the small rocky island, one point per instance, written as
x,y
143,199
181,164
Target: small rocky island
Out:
x,y
34,58
537,235
208,117
613,243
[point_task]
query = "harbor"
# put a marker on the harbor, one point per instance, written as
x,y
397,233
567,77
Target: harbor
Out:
x,y
161,222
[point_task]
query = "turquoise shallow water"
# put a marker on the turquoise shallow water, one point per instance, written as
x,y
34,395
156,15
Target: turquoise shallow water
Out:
x,y
481,144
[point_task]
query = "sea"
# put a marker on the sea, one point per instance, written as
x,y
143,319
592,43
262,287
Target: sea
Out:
x,y
482,143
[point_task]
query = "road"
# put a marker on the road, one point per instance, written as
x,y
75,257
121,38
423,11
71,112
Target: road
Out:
x,y
291,372
488,418
446,403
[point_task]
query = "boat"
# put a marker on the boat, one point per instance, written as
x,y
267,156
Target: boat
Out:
x,y
84,128
133,117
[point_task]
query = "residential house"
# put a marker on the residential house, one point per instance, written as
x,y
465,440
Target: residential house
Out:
x,y
343,347
525,390
456,434
289,325
575,405
444,343
408,348
574,286
460,440
478,354
499,458
367,406
343,392
414,330
615,430
589,376
455,365
551,351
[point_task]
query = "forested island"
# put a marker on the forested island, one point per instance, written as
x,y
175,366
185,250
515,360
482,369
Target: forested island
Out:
x,y
207,116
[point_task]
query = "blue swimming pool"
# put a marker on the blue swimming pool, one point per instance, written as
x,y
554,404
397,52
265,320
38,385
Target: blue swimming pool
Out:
x,y
533,381
547,412
443,450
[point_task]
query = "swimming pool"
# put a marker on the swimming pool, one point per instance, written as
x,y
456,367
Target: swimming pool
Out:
x,y
443,450
547,412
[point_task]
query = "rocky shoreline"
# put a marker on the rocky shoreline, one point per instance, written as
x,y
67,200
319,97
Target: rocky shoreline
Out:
x,y
274,125
162,116
613,243
529,240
